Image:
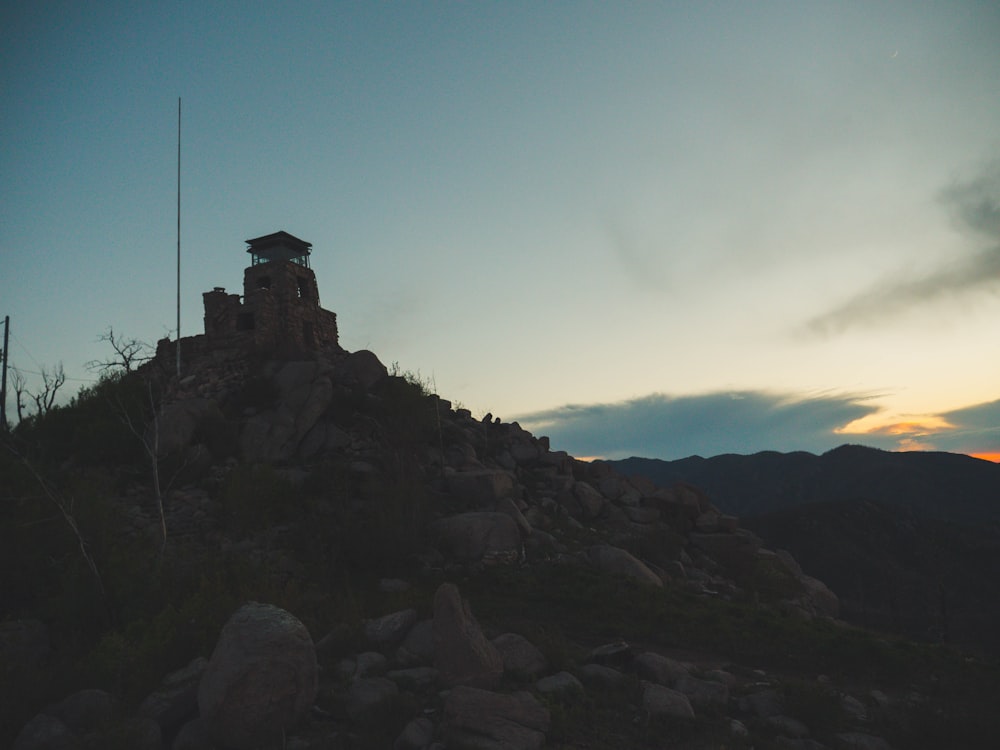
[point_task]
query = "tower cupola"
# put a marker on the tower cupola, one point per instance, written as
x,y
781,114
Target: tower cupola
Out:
x,y
279,246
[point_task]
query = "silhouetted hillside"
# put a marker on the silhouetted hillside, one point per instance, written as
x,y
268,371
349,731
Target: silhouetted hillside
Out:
x,y
943,486
895,571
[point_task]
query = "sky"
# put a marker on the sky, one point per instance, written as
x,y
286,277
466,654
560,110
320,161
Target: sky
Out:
x,y
656,229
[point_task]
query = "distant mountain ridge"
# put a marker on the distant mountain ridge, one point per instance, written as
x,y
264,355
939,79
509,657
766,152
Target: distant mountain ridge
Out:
x,y
932,485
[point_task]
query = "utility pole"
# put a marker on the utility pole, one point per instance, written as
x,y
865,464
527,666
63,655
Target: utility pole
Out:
x,y
178,237
3,381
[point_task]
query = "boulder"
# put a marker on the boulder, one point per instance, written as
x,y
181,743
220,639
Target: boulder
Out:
x,y
462,654
469,537
477,719
275,434
788,726
560,684
601,676
418,645
362,368
46,732
414,678
617,561
261,680
366,696
616,654
390,629
819,598
416,735
659,669
481,489
519,656
175,701
703,694
193,736
583,502
659,700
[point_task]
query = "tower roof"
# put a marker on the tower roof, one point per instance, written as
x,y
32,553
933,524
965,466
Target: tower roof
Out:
x,y
279,246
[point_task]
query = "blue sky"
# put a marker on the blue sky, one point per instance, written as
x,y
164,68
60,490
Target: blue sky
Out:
x,y
564,213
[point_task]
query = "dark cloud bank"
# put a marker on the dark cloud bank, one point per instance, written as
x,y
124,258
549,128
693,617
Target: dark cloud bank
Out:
x,y
670,427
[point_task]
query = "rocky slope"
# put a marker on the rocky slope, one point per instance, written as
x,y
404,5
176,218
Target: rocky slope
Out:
x,y
424,579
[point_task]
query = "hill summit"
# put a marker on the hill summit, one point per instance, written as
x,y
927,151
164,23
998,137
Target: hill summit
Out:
x,y
292,545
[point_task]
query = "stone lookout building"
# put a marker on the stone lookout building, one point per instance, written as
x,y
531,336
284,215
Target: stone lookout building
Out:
x,y
278,314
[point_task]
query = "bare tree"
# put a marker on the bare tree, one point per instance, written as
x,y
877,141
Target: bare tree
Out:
x,y
149,435
51,383
19,384
128,353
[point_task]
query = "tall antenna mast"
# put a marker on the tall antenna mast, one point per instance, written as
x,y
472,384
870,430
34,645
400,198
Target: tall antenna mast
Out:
x,y
178,236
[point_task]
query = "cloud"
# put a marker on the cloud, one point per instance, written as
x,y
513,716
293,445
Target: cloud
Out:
x,y
974,429
975,209
663,426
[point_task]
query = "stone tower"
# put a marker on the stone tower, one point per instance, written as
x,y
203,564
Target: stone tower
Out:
x,y
279,312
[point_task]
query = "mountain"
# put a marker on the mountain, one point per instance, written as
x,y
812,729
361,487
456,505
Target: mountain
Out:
x,y
314,552
909,542
942,486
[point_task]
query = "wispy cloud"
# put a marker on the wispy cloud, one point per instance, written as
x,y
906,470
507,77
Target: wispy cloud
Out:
x,y
664,426
974,205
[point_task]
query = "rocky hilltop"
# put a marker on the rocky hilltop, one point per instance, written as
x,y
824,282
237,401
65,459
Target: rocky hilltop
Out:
x,y
320,553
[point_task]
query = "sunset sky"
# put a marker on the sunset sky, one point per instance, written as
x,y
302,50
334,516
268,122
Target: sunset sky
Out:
x,y
655,229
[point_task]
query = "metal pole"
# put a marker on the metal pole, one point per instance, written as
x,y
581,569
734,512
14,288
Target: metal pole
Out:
x,y
178,236
3,382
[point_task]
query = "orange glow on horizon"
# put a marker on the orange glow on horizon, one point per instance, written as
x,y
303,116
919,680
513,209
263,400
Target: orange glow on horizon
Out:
x,y
993,456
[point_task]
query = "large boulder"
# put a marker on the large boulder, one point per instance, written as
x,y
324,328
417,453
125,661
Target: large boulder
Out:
x,y
477,719
617,561
362,368
304,392
658,700
481,489
261,680
462,654
471,537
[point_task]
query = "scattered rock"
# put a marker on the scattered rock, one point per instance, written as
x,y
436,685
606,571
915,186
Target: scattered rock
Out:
x,y
560,684
469,537
365,696
461,652
261,679
659,700
659,669
176,700
617,561
416,735
391,628
477,719
519,656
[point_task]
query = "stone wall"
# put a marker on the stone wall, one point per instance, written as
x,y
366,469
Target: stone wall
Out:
x,y
279,314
